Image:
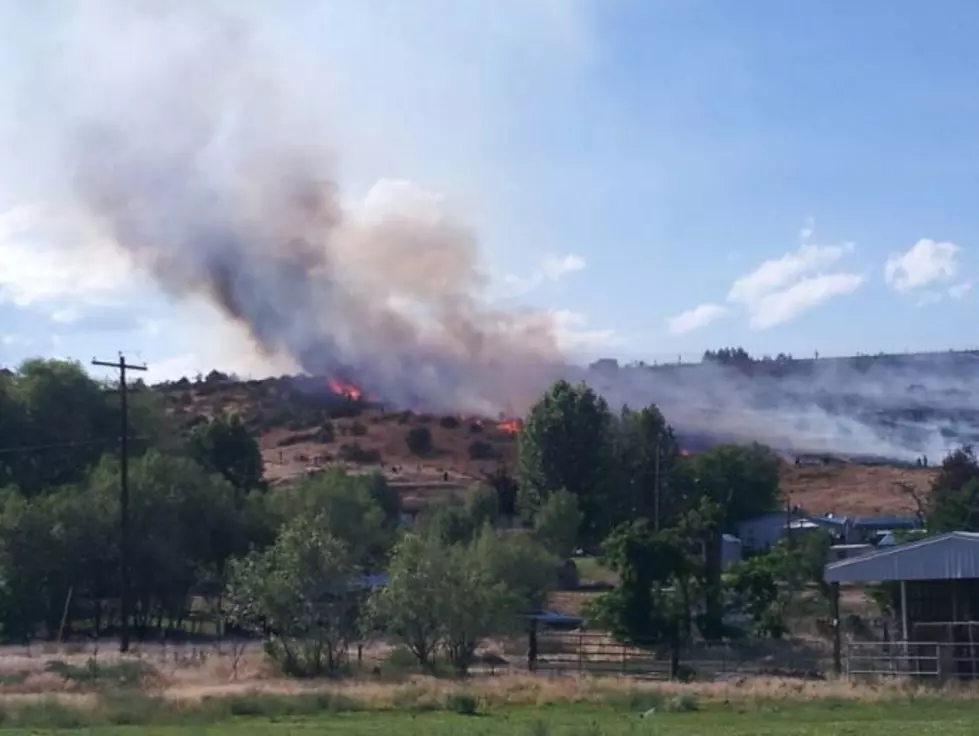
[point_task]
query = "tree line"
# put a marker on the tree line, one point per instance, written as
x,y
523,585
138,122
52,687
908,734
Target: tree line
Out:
x,y
295,565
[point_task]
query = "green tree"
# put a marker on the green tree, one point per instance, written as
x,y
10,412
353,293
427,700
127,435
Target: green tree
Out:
x,y
743,481
409,606
649,457
648,607
459,521
356,509
300,595
524,567
224,445
567,442
557,523
952,503
63,416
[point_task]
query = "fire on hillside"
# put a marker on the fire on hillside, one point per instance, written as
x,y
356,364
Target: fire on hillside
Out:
x,y
345,388
510,426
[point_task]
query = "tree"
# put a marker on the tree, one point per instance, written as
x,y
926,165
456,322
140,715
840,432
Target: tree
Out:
x,y
419,440
526,569
743,481
54,408
224,445
710,494
648,606
474,605
349,507
557,523
409,606
649,456
301,596
567,442
457,521
506,487
953,504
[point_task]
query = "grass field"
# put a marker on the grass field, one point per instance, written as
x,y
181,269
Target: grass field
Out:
x,y
825,719
169,694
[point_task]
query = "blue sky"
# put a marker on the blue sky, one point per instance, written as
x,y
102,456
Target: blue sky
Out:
x,y
665,177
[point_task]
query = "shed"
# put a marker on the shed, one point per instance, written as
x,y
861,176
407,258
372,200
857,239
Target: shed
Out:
x,y
939,591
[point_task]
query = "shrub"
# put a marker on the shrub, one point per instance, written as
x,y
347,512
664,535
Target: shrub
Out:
x,y
464,704
475,428
481,450
353,453
123,673
358,429
449,422
683,703
419,440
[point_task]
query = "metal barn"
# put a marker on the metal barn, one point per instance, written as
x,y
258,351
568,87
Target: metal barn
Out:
x,y
938,579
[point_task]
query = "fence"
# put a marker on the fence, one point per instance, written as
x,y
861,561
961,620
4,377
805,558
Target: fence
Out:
x,y
927,660
593,653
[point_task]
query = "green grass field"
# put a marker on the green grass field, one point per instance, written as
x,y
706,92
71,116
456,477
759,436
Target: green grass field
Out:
x,y
824,719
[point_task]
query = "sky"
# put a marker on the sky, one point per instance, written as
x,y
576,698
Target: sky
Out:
x,y
662,177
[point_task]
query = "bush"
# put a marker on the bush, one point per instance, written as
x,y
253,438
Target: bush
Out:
x,y
353,453
358,429
465,704
123,673
475,428
683,703
480,450
449,422
419,440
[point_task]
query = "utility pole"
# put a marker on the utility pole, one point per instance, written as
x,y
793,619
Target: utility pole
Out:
x,y
124,532
656,486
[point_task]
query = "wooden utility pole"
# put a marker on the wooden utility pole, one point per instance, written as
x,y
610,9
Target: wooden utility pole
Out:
x,y
125,599
656,486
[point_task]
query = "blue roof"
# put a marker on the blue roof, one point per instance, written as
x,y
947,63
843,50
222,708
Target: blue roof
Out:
x,y
887,522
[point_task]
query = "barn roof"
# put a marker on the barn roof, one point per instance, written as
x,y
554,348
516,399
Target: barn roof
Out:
x,y
952,556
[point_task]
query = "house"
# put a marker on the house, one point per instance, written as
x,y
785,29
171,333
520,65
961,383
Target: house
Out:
x,y
763,532
730,551
938,604
870,528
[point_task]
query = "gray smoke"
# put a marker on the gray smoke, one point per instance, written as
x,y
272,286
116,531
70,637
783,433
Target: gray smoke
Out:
x,y
897,407
198,146
200,163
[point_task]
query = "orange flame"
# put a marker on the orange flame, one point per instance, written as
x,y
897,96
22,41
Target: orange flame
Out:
x,y
510,426
345,389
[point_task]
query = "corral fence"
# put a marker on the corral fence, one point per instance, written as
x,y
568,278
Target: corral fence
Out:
x,y
594,653
926,660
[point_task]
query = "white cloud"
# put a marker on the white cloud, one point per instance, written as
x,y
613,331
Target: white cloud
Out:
x,y
50,256
782,272
550,268
780,289
783,288
556,268
66,316
785,305
924,263
574,335
694,319
958,291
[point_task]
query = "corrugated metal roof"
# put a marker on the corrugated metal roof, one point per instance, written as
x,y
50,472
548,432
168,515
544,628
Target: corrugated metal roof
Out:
x,y
952,556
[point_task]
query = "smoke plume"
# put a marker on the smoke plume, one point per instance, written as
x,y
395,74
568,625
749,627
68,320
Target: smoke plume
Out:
x,y
205,169
201,147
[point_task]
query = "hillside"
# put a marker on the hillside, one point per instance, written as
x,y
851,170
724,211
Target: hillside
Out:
x,y
304,424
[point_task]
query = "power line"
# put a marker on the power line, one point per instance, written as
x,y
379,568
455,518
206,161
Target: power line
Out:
x,y
125,601
65,445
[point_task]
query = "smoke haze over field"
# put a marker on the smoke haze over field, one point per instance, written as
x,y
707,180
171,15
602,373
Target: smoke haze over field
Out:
x,y
200,148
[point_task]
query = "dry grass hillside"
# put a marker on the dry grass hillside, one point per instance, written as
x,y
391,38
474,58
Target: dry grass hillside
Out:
x,y
305,424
